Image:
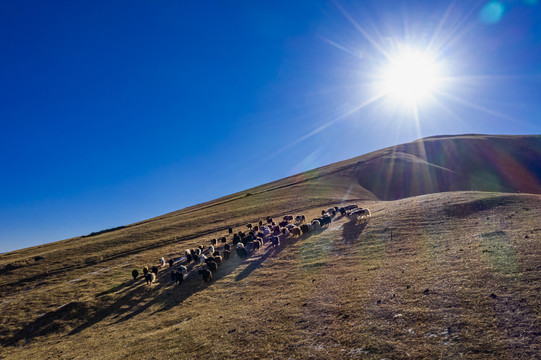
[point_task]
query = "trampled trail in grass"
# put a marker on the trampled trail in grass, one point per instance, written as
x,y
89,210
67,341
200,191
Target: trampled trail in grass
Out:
x,y
451,275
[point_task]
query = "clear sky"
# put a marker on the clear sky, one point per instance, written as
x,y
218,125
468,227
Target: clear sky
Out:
x,y
112,112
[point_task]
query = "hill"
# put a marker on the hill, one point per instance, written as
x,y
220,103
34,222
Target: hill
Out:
x,y
445,274
438,164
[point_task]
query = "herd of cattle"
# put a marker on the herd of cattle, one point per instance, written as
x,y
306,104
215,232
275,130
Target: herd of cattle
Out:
x,y
245,243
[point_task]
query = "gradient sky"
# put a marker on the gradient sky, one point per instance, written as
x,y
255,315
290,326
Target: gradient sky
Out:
x,y
112,112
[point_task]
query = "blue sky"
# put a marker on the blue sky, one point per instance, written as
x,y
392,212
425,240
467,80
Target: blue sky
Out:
x,y
114,112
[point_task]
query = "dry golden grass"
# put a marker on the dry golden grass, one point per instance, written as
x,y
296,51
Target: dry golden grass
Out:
x,y
458,278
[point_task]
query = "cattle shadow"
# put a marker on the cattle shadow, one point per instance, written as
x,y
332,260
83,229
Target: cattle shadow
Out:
x,y
137,297
117,288
130,299
129,304
257,262
254,264
164,292
351,230
194,284
70,314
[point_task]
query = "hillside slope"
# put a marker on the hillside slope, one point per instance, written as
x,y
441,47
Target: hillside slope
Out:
x,y
445,275
445,163
436,164
504,163
75,286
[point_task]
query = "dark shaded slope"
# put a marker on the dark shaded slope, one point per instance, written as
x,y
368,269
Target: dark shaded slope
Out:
x,y
505,163
445,163
399,175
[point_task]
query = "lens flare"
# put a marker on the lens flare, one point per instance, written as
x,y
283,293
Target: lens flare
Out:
x,y
492,12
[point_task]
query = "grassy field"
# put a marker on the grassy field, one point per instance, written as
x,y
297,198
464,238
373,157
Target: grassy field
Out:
x,y
447,275
453,274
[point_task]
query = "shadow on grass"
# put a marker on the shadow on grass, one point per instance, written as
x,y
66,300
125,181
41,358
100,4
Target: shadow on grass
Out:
x,y
14,286
164,292
351,230
116,288
129,304
169,295
257,262
51,322
138,297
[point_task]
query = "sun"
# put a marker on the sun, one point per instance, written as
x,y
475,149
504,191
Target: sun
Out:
x,y
410,77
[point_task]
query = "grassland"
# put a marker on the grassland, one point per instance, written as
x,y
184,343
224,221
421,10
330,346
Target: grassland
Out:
x,y
449,275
